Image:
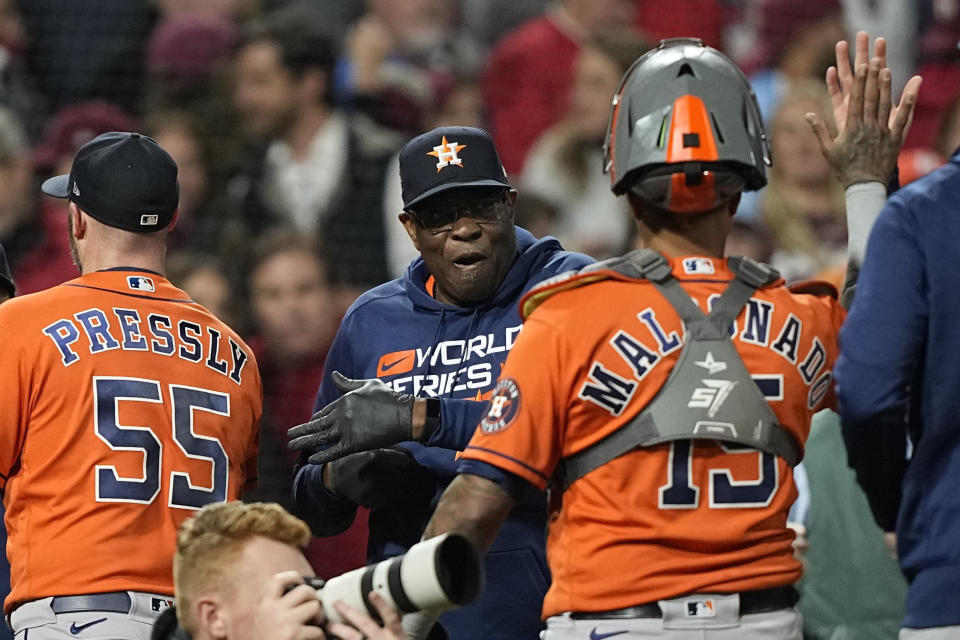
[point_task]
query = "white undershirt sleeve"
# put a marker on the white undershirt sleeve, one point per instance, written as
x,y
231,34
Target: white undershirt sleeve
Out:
x,y
864,202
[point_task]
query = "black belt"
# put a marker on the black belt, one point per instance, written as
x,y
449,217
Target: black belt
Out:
x,y
759,601
114,602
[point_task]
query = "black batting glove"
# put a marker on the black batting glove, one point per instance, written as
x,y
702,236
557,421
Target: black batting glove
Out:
x,y
382,479
369,415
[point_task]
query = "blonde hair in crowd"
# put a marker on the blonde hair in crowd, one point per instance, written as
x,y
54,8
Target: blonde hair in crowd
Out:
x,y
788,224
209,543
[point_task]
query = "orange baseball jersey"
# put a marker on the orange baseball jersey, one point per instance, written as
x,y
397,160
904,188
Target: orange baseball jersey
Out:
x,y
691,516
124,407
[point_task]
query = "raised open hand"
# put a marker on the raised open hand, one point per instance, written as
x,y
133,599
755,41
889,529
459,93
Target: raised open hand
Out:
x,y
870,130
840,77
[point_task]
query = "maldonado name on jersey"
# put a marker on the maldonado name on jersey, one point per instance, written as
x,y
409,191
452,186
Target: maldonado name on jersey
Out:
x,y
613,392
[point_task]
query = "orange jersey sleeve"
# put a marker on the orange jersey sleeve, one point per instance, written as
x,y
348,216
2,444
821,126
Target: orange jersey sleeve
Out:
x,y
683,517
124,407
552,356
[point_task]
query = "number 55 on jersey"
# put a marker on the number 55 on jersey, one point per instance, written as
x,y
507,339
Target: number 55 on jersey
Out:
x,y
124,407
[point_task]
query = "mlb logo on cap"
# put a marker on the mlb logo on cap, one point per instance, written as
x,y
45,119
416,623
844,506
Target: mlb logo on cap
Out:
x,y
449,158
141,283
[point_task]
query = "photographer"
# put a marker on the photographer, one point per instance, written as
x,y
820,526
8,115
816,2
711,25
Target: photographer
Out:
x,y
239,573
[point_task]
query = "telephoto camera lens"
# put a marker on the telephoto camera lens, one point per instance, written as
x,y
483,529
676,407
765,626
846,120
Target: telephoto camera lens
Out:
x,y
436,575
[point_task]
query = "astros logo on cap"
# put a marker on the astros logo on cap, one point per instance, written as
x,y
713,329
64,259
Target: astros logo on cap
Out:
x,y
446,153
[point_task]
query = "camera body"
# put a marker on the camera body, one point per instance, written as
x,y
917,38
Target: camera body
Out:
x,y
435,575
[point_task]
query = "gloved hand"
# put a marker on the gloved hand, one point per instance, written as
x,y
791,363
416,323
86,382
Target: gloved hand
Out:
x,y
369,415
382,479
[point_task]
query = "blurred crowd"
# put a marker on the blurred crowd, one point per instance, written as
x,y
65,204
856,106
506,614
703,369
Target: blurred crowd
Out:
x,y
286,117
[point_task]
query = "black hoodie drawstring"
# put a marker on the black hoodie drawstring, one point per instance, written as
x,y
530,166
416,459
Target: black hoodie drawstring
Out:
x,y
436,341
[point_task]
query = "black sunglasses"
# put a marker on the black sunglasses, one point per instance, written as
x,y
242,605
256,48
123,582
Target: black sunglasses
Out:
x,y
440,219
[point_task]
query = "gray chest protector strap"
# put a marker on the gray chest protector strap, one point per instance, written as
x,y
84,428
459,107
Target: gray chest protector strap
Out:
x,y
709,393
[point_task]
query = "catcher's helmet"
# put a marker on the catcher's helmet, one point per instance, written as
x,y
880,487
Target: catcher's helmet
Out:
x,y
685,132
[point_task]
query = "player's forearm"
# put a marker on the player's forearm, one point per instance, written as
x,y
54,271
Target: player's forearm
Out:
x,y
472,506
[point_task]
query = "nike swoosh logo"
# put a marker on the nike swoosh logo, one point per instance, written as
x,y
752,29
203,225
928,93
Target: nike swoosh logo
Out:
x,y
74,629
600,636
387,367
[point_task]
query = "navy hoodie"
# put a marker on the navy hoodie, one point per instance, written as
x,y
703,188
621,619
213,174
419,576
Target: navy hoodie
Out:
x,y
398,332
896,372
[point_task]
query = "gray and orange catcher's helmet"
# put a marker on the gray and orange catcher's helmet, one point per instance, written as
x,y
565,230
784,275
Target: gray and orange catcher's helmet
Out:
x,y
685,131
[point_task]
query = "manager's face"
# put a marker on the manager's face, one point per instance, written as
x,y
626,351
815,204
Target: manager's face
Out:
x,y
466,237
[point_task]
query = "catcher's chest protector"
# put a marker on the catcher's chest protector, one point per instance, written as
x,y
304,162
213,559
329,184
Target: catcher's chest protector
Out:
x,y
709,393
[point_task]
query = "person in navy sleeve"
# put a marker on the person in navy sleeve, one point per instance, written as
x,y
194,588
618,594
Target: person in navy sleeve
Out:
x,y
899,389
414,361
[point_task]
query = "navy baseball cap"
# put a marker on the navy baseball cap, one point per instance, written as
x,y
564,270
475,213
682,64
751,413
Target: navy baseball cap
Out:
x,y
448,158
124,180
6,278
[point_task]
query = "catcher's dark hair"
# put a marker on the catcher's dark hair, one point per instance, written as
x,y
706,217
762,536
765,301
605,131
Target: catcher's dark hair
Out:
x,y
657,219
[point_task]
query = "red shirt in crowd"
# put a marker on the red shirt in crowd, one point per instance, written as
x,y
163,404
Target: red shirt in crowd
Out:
x,y
525,86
